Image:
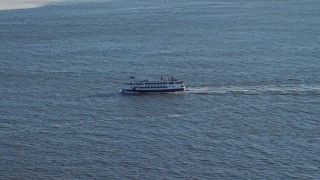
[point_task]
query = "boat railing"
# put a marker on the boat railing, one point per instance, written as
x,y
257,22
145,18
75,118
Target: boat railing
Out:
x,y
135,80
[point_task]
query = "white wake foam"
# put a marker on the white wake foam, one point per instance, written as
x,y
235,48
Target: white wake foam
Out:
x,y
257,89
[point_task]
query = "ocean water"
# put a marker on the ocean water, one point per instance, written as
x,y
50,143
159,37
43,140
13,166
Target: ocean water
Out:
x,y
251,109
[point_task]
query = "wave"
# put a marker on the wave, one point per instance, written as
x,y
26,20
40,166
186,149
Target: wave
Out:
x,y
258,90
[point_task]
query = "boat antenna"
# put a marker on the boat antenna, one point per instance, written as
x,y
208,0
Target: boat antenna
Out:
x,y
135,71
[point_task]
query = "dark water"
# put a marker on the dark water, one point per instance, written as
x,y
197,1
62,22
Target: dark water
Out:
x,y
252,109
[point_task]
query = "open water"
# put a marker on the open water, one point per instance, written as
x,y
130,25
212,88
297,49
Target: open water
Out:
x,y
251,111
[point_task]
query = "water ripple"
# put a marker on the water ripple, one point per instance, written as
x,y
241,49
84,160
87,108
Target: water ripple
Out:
x,y
258,90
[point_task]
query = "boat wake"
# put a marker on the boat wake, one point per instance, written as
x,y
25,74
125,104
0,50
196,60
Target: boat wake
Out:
x,y
258,90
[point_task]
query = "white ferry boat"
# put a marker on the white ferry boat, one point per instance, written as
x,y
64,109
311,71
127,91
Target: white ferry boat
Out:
x,y
144,85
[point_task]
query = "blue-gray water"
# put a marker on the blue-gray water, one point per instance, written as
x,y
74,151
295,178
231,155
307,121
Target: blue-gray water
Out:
x,y
252,109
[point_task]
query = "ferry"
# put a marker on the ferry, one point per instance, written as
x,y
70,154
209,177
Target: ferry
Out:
x,y
145,85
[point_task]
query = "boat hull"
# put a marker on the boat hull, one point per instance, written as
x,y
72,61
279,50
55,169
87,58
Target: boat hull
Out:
x,y
153,90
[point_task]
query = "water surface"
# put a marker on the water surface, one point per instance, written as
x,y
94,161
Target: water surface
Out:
x,y
251,109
